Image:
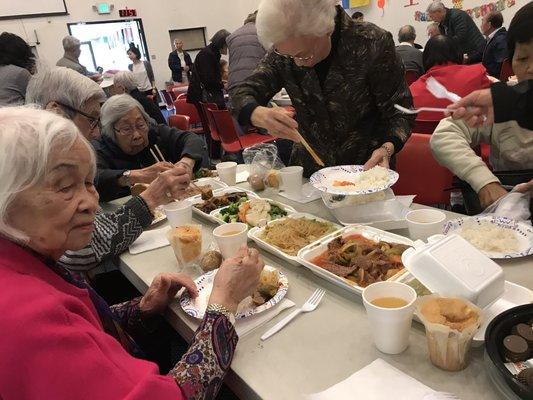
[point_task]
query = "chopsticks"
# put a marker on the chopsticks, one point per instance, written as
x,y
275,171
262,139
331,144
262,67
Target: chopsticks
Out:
x,y
309,149
162,159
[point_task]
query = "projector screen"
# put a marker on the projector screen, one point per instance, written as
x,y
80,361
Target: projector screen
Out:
x,y
31,8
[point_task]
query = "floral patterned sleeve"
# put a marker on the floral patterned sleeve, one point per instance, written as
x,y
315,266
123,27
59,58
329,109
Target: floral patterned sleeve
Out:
x,y
128,315
200,372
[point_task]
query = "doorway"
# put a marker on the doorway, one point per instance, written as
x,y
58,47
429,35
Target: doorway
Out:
x,y
104,44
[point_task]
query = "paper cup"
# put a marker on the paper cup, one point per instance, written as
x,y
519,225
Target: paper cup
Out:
x,y
178,213
448,348
227,172
291,180
390,326
229,237
424,223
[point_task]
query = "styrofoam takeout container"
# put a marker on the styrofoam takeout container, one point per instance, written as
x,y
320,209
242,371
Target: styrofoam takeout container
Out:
x,y
451,266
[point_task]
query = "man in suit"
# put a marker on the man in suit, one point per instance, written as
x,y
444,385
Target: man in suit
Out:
x,y
180,63
496,47
458,25
411,57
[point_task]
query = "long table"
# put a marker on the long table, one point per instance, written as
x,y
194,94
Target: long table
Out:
x,y
324,347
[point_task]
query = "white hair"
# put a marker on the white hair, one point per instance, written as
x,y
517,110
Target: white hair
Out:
x,y
278,20
28,138
115,108
62,85
70,43
435,6
126,79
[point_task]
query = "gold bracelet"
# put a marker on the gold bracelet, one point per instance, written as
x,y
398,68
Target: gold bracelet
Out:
x,y
389,151
220,309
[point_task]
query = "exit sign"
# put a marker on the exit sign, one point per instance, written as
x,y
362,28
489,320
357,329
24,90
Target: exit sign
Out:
x,y
128,12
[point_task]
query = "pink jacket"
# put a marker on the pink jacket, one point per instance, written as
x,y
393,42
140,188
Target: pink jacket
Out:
x,y
52,343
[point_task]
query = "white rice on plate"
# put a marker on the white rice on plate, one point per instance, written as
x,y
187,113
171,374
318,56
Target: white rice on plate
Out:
x,y
490,237
373,178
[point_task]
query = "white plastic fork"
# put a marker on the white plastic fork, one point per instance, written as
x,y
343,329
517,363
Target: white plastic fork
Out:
x,y
417,110
440,396
308,306
438,90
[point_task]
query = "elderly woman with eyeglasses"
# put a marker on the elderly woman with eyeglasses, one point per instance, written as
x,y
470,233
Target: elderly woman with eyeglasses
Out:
x,y
76,97
342,76
128,149
60,339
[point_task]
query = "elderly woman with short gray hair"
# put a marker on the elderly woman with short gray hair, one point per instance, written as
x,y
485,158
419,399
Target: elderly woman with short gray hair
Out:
x,y
125,150
60,339
343,78
125,82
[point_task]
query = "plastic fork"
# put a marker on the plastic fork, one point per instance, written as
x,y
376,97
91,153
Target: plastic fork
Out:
x,y
417,110
440,396
308,306
438,90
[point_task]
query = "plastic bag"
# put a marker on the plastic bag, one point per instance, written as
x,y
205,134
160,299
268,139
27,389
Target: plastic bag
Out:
x,y
514,205
264,162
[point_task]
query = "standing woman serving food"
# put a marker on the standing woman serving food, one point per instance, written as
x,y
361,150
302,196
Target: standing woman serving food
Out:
x,y
343,78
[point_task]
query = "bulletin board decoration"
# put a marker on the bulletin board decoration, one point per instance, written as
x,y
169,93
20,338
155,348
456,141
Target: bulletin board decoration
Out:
x,y
476,12
355,3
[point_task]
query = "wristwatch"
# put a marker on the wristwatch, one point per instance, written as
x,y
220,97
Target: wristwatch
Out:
x,y
126,174
220,309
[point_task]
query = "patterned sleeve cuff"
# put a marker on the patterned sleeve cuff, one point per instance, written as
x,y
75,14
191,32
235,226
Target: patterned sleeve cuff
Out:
x,y
201,370
141,210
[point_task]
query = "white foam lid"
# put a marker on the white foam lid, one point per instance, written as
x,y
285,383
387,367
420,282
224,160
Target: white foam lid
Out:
x,y
451,266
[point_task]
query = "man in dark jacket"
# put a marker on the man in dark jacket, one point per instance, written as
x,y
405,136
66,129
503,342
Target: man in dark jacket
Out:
x,y
458,25
245,51
411,56
496,48
180,63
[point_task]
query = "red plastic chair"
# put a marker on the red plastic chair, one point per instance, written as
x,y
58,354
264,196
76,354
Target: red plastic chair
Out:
x,y
506,70
411,76
181,96
230,140
180,122
184,108
207,120
420,173
425,126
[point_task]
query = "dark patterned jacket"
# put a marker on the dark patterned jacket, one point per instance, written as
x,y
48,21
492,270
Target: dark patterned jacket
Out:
x,y
351,113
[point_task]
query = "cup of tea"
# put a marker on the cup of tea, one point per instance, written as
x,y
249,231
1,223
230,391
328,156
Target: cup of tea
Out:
x,y
229,237
178,213
389,308
424,223
227,172
291,180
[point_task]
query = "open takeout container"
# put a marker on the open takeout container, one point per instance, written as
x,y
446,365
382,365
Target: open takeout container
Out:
x,y
387,212
452,267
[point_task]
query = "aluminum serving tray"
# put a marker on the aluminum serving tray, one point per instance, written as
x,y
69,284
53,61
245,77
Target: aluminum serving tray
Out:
x,y
256,232
313,250
198,199
215,214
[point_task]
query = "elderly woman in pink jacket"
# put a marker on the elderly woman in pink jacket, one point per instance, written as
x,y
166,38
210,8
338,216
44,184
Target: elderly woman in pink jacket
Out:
x,y
60,340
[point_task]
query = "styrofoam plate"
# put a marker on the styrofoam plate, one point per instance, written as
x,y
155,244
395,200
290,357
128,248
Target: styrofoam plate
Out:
x,y
198,200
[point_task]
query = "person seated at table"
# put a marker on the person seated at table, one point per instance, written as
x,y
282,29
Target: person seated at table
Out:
x,y
442,61
76,97
511,145
63,335
131,142
124,82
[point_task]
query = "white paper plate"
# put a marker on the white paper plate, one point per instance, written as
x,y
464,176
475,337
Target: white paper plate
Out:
x,y
215,214
308,253
323,180
523,231
256,232
196,307
512,296
215,183
198,199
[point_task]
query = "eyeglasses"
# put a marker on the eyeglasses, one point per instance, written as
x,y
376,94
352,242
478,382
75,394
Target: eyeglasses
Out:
x,y
294,58
128,130
93,121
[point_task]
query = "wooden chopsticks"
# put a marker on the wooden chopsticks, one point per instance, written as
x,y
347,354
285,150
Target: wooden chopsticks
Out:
x,y
309,149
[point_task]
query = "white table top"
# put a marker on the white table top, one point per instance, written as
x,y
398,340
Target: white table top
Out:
x,y
321,348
